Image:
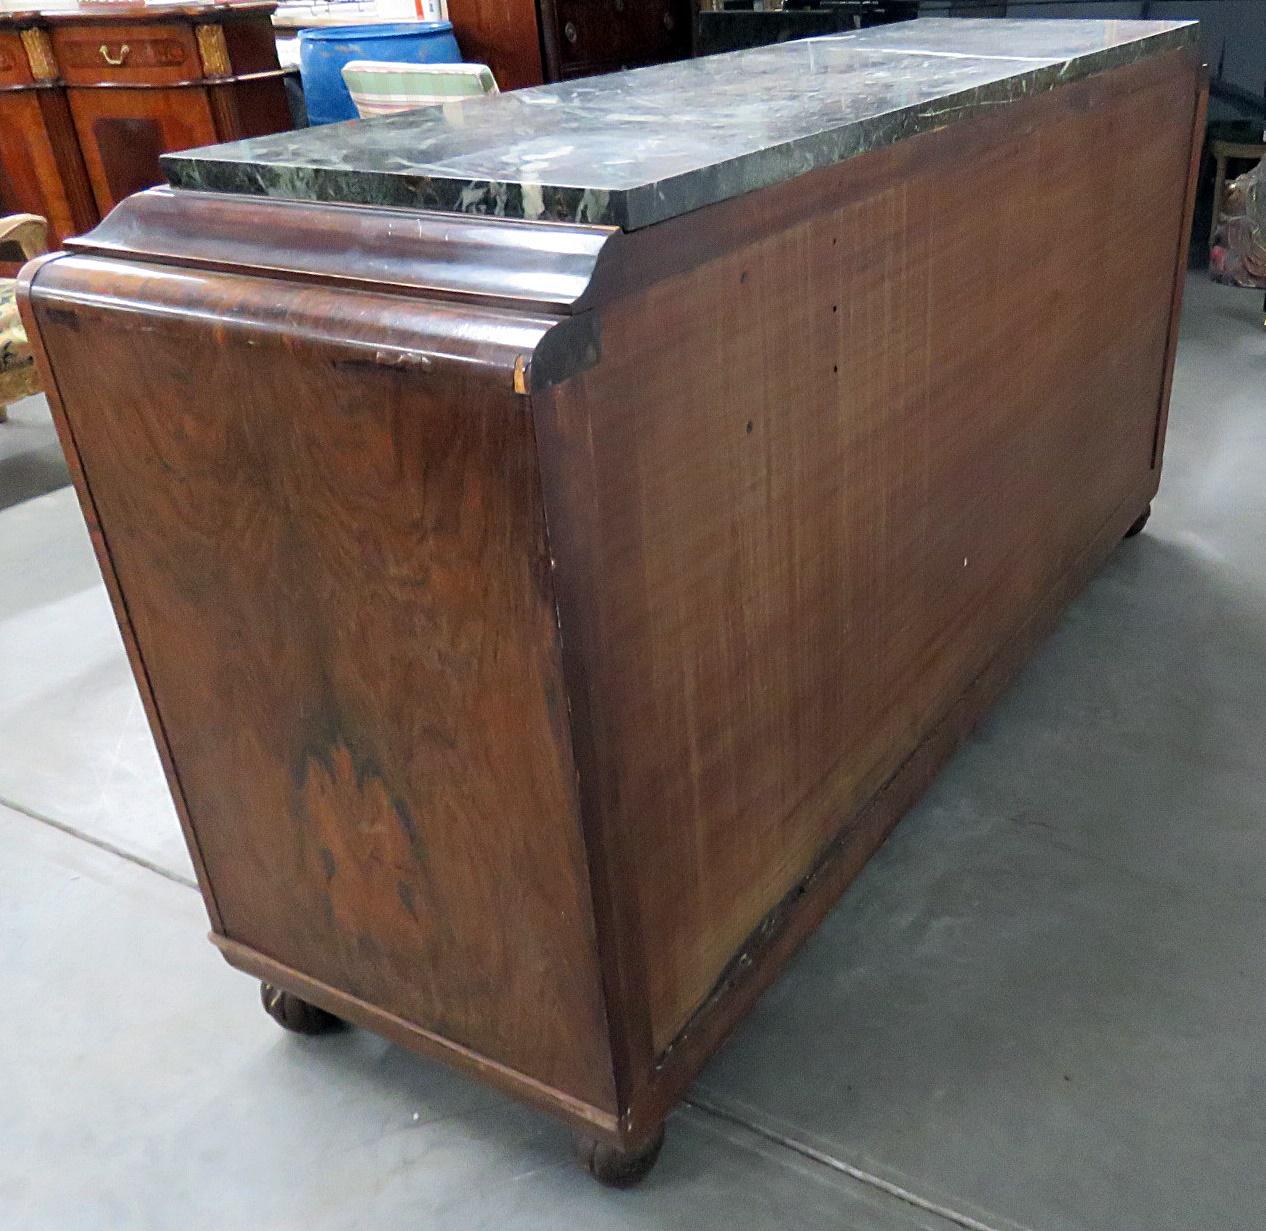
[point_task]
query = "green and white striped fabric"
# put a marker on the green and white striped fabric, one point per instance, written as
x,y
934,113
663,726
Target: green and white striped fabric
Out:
x,y
381,87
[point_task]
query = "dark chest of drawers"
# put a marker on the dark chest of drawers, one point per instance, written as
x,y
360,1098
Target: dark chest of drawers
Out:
x,y
527,42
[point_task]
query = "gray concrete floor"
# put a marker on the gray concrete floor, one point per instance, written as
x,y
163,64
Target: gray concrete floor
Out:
x,y
1042,1006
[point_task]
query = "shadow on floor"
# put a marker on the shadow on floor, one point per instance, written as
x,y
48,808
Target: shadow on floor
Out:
x,y
31,461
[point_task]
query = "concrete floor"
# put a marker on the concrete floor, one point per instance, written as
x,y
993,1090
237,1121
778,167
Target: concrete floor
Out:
x,y
1042,1006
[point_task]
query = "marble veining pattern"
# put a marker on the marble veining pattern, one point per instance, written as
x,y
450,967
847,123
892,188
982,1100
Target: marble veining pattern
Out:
x,y
631,149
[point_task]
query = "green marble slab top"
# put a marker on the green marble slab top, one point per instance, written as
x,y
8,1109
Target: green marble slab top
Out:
x,y
635,148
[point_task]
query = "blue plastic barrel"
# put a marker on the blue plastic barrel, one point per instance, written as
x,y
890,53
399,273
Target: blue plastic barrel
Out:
x,y
324,51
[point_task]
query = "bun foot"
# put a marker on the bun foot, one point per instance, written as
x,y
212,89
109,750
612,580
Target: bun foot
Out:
x,y
1139,523
286,1009
614,1167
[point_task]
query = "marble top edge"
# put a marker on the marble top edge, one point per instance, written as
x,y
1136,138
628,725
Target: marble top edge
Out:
x,y
635,148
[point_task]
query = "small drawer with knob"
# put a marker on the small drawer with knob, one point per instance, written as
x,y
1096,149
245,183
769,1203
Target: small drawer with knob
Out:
x,y
118,53
588,30
662,26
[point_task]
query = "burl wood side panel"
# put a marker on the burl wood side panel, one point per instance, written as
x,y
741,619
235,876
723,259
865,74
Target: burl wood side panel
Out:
x,y
323,511
814,484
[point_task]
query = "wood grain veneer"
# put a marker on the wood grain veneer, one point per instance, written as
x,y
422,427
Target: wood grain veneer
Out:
x,y
347,615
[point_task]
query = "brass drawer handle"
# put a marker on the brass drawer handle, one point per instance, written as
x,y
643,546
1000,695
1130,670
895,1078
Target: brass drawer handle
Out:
x,y
109,59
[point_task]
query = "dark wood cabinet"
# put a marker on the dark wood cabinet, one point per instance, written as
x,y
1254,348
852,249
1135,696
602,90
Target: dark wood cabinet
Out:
x,y
527,42
90,97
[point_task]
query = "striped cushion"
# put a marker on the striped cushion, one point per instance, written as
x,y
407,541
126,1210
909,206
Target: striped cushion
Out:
x,y
381,87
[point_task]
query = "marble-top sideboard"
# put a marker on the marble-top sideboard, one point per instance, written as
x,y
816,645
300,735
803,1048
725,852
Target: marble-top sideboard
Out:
x,y
544,617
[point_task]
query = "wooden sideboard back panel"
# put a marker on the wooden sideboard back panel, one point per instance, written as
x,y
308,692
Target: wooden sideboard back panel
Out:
x,y
872,439
323,510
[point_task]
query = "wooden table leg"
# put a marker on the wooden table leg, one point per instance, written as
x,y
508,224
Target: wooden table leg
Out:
x,y
1219,189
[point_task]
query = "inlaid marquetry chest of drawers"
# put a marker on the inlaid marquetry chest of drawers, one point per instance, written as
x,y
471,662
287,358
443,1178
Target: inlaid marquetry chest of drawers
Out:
x,y
90,97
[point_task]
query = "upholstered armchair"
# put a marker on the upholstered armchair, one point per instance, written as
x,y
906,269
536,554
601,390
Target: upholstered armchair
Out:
x,y
22,236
